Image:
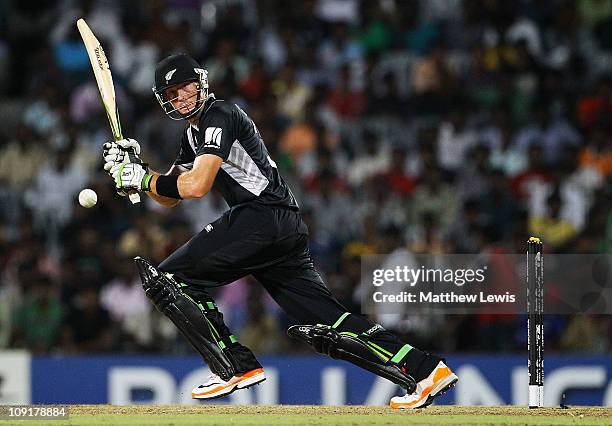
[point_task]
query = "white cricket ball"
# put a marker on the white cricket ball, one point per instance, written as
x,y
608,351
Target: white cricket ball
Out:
x,y
88,198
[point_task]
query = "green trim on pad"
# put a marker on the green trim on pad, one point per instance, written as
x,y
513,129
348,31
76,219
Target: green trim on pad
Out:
x,y
401,353
379,354
386,352
213,329
210,305
339,320
233,338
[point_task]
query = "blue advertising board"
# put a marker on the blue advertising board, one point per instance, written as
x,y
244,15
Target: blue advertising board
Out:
x,y
483,380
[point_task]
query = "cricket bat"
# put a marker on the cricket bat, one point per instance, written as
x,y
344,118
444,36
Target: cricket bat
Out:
x,y
104,78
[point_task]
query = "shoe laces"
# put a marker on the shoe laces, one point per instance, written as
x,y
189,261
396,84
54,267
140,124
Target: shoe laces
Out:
x,y
209,378
212,376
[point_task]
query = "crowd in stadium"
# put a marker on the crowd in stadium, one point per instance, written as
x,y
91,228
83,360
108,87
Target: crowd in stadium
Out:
x,y
434,126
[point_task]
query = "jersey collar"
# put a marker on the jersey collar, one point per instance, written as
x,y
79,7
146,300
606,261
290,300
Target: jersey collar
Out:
x,y
209,102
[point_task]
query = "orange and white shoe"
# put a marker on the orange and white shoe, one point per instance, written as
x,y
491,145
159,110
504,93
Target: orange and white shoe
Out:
x,y
439,381
216,387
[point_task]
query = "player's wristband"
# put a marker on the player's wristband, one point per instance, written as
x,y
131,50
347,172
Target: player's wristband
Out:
x,y
168,186
145,184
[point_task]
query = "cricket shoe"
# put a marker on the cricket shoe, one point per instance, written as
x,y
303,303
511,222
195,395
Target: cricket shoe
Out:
x,y
216,387
439,381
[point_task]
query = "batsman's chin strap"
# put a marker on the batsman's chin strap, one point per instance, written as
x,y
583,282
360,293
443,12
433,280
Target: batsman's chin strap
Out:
x,y
188,316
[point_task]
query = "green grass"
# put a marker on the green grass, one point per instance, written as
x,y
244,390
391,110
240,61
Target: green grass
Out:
x,y
282,415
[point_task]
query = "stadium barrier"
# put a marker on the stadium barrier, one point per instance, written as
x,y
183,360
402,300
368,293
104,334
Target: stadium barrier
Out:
x,y
484,380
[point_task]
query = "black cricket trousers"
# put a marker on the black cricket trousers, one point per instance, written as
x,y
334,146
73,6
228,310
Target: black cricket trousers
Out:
x,y
271,244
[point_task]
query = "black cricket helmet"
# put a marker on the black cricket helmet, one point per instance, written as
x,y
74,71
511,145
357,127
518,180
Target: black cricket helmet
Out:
x,y
179,69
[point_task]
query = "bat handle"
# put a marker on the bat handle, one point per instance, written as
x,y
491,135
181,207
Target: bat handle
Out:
x,y
135,198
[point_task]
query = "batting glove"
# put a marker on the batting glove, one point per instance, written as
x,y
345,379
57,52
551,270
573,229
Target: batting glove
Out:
x,y
121,151
130,176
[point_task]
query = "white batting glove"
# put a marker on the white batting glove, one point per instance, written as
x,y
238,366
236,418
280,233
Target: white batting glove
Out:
x,y
130,176
128,143
121,151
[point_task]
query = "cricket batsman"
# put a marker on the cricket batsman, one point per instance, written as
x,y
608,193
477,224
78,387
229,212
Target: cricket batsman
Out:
x,y
262,234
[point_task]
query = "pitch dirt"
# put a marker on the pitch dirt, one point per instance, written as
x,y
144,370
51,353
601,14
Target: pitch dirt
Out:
x,y
278,415
306,410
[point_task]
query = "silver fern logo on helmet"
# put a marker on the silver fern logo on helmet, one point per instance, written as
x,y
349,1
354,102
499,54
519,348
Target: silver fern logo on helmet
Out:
x,y
169,75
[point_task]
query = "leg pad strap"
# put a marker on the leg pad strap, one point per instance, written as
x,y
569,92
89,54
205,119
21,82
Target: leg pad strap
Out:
x,y
329,341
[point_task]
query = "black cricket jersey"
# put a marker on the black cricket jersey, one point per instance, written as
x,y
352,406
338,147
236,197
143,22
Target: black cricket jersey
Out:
x,y
247,172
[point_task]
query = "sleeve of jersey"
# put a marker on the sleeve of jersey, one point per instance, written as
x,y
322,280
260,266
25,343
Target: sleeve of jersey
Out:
x,y
215,136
